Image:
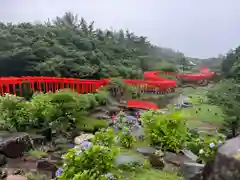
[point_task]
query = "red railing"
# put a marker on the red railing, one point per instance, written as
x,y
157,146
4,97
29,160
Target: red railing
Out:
x,y
155,75
141,104
152,81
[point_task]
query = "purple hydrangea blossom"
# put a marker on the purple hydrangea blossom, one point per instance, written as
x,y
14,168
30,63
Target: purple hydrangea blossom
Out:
x,y
58,172
85,145
212,145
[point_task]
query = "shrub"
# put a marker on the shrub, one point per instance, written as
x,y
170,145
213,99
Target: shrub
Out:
x,y
168,131
92,100
105,137
82,102
90,125
14,113
127,138
209,148
88,161
102,97
42,109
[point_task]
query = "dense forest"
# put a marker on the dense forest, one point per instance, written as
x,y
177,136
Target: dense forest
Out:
x,y
71,47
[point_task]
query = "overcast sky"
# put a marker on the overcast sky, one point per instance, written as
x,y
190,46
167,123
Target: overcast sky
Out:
x,y
198,28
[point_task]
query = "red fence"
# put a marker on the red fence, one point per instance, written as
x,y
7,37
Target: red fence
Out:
x,y
141,104
152,81
155,75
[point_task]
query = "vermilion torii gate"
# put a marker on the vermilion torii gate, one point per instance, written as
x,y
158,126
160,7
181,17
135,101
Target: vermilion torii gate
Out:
x,y
152,82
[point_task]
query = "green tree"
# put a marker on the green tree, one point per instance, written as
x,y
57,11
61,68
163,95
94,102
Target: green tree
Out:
x,y
71,47
226,94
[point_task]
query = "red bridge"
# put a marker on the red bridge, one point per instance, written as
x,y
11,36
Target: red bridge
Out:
x,y
152,81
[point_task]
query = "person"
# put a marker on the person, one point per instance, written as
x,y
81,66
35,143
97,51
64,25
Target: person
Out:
x,y
138,117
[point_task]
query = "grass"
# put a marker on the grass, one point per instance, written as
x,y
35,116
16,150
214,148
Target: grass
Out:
x,y
205,113
145,174
151,174
36,153
202,115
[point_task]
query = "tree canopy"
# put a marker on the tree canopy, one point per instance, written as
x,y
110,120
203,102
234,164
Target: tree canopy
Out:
x,y
71,47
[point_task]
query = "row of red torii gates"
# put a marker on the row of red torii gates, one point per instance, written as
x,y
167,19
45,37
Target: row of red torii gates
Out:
x,y
152,81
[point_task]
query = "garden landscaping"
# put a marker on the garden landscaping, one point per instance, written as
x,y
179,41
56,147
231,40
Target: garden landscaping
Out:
x,y
83,141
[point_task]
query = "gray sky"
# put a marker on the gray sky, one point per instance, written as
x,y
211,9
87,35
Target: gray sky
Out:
x,y
198,28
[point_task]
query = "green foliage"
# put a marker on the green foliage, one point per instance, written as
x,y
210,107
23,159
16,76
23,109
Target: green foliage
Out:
x,y
105,137
37,153
87,162
58,110
230,63
71,47
14,112
203,145
87,124
101,97
209,148
166,67
167,131
225,94
35,176
127,138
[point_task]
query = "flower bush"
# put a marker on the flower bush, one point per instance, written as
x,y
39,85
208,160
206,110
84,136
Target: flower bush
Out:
x,y
209,148
127,138
13,112
88,161
62,108
104,137
168,131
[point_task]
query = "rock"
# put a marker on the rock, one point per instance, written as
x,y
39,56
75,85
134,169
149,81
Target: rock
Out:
x,y
3,160
128,159
17,172
146,151
47,165
46,132
100,115
113,109
38,139
84,137
189,155
156,161
172,158
191,170
159,153
15,144
16,177
226,166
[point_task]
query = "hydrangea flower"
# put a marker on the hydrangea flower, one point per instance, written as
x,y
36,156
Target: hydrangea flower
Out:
x,y
109,176
212,145
201,151
58,172
85,145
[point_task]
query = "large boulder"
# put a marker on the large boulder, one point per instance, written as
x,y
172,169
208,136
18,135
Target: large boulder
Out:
x,y
15,144
191,170
226,165
154,156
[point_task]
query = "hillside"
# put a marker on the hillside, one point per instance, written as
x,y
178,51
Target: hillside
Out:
x,y
69,47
